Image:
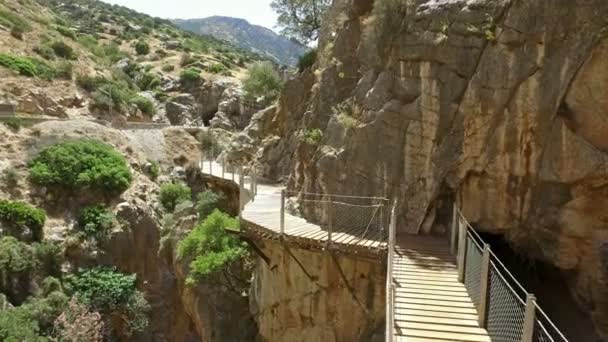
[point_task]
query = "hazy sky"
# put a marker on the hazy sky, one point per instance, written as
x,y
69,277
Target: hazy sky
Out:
x,y
255,11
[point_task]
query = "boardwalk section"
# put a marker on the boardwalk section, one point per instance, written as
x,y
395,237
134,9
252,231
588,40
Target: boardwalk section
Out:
x,y
430,304
318,221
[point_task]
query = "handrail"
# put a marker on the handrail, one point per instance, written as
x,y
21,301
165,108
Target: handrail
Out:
x,y
390,286
531,316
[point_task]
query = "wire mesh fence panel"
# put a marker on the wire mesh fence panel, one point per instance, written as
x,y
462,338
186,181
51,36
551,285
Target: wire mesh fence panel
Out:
x,y
473,270
506,311
545,330
541,334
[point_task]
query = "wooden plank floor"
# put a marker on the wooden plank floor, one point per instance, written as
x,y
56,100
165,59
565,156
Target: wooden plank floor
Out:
x,y
265,211
430,303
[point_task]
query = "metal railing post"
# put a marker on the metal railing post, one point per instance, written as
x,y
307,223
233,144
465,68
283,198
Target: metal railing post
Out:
x,y
529,319
252,185
454,229
462,248
390,287
223,166
233,171
241,191
282,227
329,220
484,282
211,165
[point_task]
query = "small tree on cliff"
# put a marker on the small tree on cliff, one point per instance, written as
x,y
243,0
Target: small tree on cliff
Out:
x,y
300,19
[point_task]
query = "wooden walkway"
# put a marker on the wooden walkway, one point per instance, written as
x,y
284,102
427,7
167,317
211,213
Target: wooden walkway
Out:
x,y
430,303
263,218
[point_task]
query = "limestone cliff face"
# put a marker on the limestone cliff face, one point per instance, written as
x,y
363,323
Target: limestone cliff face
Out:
x,y
303,295
499,105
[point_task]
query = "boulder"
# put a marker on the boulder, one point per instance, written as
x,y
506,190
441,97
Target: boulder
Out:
x,y
177,113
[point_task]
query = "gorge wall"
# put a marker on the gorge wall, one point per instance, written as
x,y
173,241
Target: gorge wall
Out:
x,y
499,105
303,295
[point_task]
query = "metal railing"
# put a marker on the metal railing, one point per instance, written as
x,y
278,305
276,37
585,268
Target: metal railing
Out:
x,y
506,310
352,220
390,284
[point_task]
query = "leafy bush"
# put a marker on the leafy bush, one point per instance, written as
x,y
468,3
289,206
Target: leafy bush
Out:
x,y
147,81
168,67
145,105
10,177
27,66
109,292
17,32
217,68
154,170
63,50
190,76
171,194
63,70
13,123
18,218
311,136
17,264
96,222
45,52
66,32
210,247
262,81
81,164
32,321
142,48
307,59
207,202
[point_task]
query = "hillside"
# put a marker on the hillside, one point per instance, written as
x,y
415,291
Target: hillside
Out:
x,y
247,36
86,58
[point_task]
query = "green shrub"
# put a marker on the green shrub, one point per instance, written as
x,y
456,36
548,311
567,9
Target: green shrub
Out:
x,y
89,83
63,70
148,81
17,217
63,50
142,48
27,66
45,52
186,59
207,202
10,177
171,194
311,136
17,32
13,123
145,105
154,170
210,247
81,164
307,59
190,76
49,257
168,67
109,292
17,266
96,222
217,68
262,81
66,32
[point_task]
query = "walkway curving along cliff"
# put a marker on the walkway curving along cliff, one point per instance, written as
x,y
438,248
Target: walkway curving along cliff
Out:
x,y
437,289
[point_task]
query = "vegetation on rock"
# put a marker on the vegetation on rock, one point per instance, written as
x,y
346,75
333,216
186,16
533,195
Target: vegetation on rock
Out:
x,y
300,19
311,136
81,164
171,194
210,247
96,222
307,60
27,66
19,219
207,202
262,80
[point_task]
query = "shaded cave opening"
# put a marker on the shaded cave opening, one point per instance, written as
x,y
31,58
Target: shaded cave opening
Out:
x,y
550,286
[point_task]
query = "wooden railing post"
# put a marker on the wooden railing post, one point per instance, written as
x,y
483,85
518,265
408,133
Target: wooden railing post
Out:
x,y
329,220
462,248
241,191
484,284
282,225
454,229
529,319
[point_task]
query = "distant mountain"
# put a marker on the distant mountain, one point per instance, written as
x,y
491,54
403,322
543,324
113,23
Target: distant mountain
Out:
x,y
247,36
